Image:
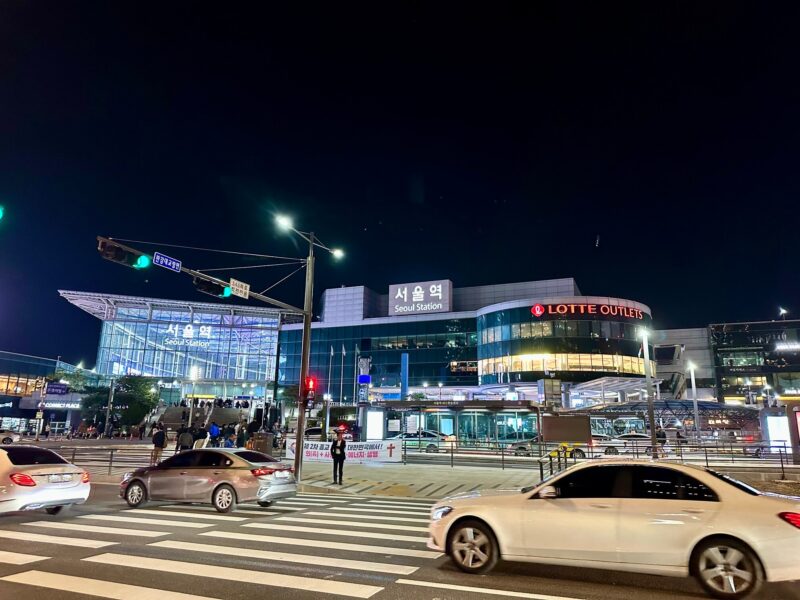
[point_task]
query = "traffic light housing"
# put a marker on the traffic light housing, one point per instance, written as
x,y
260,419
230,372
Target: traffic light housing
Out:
x,y
212,289
310,391
116,253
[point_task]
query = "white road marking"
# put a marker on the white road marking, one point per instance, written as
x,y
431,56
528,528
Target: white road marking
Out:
x,y
383,511
356,565
97,528
17,558
161,522
370,517
477,590
403,509
297,500
322,586
172,513
326,496
351,524
300,504
54,539
273,507
322,544
340,532
96,587
260,511
393,503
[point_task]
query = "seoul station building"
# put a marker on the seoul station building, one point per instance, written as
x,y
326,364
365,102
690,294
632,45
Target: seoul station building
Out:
x,y
466,343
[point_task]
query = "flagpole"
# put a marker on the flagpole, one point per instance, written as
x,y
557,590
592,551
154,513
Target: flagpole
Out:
x,y
341,378
355,375
328,398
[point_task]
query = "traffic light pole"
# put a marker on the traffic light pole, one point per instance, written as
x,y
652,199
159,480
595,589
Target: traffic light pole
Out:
x,y
308,306
109,406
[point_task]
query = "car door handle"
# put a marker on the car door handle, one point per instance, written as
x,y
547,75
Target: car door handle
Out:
x,y
597,505
217,472
694,511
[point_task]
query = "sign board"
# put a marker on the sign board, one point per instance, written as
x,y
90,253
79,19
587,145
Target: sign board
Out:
x,y
357,452
162,260
39,414
419,298
393,425
569,310
240,288
364,379
56,389
574,428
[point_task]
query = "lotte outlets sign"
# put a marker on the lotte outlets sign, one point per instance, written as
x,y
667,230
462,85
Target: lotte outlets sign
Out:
x,y
568,310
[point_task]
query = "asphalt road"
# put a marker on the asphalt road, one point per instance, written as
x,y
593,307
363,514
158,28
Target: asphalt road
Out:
x,y
313,546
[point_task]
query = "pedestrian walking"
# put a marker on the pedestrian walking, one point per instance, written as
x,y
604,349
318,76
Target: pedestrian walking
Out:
x,y
141,431
241,438
338,448
159,443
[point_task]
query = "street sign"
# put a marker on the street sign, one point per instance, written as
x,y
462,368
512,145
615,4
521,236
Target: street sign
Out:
x,y
39,415
56,389
167,262
240,288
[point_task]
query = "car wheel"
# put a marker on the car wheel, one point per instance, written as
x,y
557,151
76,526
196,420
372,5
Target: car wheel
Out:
x,y
54,510
224,499
432,448
135,495
578,453
758,453
7,440
265,503
473,547
727,569
611,450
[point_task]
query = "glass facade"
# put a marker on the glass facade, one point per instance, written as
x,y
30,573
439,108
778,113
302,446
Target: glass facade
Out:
x,y
186,343
755,361
517,346
440,351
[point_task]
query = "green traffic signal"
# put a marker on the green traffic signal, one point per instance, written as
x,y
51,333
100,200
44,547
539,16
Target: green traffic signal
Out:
x,y
226,292
142,262
2,212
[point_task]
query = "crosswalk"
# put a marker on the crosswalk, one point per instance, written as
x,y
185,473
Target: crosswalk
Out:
x,y
320,544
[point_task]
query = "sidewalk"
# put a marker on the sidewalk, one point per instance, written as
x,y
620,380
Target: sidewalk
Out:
x,y
421,481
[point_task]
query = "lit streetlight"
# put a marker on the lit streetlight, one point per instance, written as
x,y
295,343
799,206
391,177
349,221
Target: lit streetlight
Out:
x,y
782,312
440,384
692,368
648,376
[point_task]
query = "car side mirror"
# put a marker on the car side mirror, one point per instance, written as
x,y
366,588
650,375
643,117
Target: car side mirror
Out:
x,y
547,492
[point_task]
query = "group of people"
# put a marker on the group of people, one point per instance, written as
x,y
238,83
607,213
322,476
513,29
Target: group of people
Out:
x,y
230,435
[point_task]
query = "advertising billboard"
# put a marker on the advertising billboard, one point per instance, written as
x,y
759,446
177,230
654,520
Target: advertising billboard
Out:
x,y
419,298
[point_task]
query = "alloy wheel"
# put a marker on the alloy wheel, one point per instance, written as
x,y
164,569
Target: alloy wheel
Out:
x,y
224,498
135,494
471,548
726,570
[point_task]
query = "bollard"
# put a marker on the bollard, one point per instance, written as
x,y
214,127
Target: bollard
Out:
x,y
783,472
705,451
110,461
452,453
502,458
541,471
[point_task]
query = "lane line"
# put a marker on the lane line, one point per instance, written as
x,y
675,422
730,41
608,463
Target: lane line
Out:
x,y
161,522
355,565
18,558
172,513
388,508
300,505
359,516
273,507
326,496
97,529
228,574
54,539
297,500
340,532
349,524
383,511
391,503
96,587
322,544
477,590
261,511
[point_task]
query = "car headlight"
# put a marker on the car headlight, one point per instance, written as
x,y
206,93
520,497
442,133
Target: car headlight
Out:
x,y
440,511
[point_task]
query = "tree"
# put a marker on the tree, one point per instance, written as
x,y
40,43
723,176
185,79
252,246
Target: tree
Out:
x,y
76,380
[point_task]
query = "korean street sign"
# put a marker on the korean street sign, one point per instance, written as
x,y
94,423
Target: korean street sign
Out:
x,y
240,288
420,297
167,262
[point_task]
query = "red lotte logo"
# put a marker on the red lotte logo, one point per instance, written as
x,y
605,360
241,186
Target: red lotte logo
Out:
x,y
537,310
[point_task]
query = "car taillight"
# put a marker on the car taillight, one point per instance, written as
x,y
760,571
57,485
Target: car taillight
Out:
x,y
84,477
791,518
261,471
23,479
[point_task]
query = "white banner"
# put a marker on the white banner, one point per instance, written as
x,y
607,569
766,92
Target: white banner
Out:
x,y
357,452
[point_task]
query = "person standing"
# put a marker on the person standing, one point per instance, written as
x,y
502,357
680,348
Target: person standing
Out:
x,y
338,448
185,440
159,443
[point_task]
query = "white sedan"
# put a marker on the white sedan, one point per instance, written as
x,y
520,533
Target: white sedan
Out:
x,y
642,515
9,437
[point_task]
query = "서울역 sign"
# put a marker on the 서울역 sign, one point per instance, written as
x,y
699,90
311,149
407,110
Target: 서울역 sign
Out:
x,y
162,260
421,297
608,310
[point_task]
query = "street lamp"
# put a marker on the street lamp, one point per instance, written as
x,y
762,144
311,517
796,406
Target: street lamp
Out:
x,y
692,367
782,312
651,415
285,223
440,384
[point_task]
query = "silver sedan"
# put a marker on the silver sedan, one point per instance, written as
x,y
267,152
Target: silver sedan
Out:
x,y
216,476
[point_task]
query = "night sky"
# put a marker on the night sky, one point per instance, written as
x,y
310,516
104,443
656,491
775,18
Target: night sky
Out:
x,y
484,146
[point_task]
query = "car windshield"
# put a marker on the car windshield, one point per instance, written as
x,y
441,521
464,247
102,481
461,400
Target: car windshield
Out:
x,y
740,485
33,456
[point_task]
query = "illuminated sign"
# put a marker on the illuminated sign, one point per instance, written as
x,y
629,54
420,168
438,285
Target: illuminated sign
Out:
x,y
608,310
421,297
188,336
787,346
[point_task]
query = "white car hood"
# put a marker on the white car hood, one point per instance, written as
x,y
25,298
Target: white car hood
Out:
x,y
482,494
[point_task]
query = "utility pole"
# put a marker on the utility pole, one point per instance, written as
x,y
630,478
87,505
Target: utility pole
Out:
x,y
308,306
651,416
108,408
